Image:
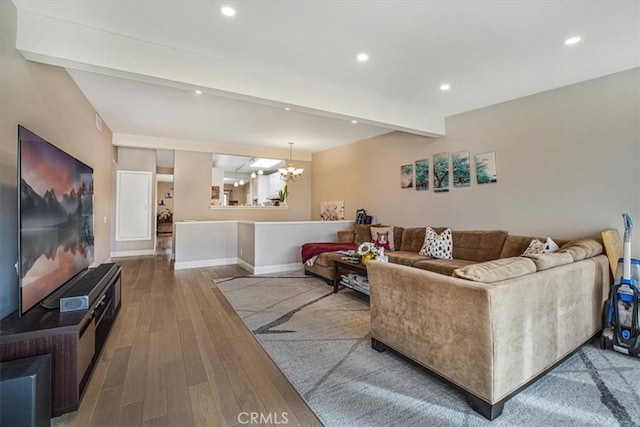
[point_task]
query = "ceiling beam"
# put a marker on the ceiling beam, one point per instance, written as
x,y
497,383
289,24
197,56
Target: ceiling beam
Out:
x,y
52,41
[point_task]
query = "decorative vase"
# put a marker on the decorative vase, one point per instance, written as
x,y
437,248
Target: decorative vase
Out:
x,y
366,258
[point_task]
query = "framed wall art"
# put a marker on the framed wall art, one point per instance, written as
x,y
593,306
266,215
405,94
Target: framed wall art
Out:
x,y
461,169
332,211
422,175
441,172
486,168
406,176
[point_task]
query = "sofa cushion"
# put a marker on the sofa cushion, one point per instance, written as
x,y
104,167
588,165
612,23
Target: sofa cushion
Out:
x,y
413,238
397,237
361,233
442,266
326,259
582,248
497,270
345,236
405,257
437,245
546,261
478,245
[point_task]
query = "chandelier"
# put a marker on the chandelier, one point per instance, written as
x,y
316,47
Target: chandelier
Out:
x,y
290,173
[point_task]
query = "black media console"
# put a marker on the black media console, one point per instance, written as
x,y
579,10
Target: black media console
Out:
x,y
74,338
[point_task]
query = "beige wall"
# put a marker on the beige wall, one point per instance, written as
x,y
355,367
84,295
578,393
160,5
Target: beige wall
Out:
x,y
568,165
192,199
45,100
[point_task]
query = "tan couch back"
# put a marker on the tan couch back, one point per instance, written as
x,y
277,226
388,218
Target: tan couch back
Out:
x,y
478,245
516,245
413,238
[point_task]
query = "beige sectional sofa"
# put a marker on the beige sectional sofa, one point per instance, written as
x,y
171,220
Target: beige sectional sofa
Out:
x,y
498,326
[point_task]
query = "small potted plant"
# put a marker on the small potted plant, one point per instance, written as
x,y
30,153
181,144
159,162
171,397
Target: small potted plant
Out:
x,y
283,193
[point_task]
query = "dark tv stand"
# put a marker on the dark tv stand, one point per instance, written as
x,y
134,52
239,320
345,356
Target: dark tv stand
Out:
x,y
74,339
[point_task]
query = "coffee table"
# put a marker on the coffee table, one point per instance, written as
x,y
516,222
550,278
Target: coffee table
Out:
x,y
342,265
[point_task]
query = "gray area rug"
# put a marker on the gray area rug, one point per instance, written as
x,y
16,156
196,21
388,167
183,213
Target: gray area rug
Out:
x,y
321,342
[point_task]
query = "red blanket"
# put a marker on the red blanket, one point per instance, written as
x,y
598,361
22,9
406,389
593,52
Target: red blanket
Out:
x,y
309,250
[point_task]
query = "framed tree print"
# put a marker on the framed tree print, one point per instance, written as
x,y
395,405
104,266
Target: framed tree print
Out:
x,y
406,176
461,169
441,172
422,175
486,168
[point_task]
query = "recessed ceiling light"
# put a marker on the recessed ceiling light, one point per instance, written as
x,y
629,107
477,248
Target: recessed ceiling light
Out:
x,y
228,11
199,92
362,57
445,86
287,108
572,40
354,121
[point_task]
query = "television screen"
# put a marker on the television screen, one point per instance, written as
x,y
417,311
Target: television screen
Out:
x,y
55,218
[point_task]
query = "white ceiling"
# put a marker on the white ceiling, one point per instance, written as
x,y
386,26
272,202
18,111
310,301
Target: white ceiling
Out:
x,y
140,108
147,57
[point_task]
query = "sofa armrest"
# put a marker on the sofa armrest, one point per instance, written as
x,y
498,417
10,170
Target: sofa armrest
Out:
x,y
345,236
540,318
439,321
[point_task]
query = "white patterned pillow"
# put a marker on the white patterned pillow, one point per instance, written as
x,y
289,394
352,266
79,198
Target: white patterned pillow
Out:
x,y
550,246
438,245
536,247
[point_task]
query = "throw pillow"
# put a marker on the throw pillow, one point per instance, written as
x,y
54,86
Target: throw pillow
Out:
x,y
535,247
550,246
438,245
382,233
496,270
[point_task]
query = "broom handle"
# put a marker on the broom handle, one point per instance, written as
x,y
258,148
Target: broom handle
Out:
x,y
626,265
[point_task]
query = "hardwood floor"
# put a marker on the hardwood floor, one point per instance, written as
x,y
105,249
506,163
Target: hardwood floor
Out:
x,y
179,355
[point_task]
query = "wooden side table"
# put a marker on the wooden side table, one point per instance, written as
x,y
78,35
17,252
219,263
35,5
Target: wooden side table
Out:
x,y
342,265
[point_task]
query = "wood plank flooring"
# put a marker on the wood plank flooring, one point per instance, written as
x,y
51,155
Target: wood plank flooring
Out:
x,y
179,355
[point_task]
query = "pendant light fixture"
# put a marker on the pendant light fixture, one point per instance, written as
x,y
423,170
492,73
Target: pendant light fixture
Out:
x,y
290,173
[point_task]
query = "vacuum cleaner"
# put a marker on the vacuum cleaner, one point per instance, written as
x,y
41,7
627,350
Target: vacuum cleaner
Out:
x,y
622,310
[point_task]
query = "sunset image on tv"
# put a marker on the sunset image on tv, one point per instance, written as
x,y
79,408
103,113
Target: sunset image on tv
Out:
x,y
56,218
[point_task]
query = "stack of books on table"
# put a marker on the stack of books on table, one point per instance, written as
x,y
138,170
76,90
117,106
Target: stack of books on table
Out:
x,y
356,282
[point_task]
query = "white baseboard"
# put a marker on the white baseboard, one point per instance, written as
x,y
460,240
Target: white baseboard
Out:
x,y
139,252
267,269
242,263
204,263
277,268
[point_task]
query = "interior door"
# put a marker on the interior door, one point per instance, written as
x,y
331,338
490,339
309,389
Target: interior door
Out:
x,y
133,205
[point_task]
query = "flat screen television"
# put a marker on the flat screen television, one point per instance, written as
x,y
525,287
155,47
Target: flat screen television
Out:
x,y
55,218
